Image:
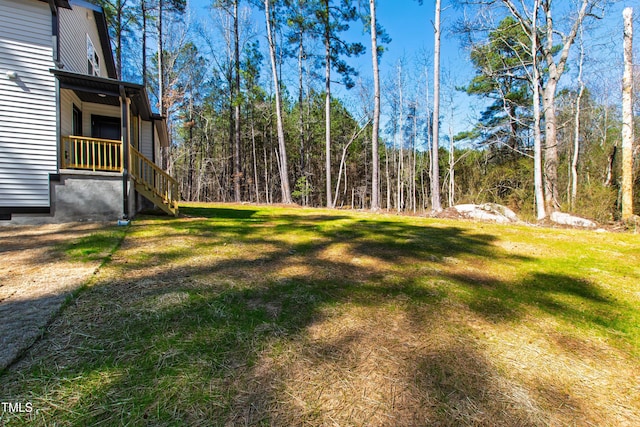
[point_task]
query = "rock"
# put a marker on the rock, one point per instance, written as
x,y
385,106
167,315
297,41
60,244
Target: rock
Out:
x,y
574,221
502,210
487,212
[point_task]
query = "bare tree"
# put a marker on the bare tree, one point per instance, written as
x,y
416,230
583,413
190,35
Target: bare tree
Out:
x,y
375,180
284,170
555,57
160,59
576,130
236,145
627,117
435,169
537,137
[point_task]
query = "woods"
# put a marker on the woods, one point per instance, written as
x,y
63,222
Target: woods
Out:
x,y
266,104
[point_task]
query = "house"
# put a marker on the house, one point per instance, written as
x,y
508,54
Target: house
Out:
x,y
76,143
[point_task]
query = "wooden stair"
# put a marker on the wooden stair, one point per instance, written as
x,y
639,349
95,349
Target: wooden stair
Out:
x,y
153,183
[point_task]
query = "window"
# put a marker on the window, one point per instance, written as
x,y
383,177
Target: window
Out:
x,y
93,62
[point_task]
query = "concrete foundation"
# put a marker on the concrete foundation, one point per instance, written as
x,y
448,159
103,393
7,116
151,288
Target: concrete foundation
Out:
x,y
83,196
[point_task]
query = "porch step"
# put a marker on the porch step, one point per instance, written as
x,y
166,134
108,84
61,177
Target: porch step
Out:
x,y
153,183
165,205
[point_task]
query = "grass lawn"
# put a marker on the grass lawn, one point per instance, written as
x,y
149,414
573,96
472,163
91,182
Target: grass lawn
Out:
x,y
251,315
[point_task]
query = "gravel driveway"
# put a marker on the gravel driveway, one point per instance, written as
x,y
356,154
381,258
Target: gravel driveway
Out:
x,y
35,279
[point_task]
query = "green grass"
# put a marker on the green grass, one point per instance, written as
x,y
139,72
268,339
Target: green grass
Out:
x,y
271,316
96,246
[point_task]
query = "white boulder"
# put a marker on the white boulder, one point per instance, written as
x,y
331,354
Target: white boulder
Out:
x,y
574,221
487,212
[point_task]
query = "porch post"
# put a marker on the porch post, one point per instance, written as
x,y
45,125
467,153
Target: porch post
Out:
x,y
124,120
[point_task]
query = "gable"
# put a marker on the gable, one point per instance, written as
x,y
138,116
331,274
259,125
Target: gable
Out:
x,y
84,40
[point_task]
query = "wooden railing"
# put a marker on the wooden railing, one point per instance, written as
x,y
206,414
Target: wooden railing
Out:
x,y
154,180
79,152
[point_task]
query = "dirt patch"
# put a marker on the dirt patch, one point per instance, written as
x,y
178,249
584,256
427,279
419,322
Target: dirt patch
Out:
x,y
35,279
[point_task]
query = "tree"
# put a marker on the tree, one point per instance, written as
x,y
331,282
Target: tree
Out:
x,y
332,20
537,137
236,141
300,23
284,169
375,179
119,16
172,6
502,73
627,117
555,58
435,167
231,7
144,15
576,136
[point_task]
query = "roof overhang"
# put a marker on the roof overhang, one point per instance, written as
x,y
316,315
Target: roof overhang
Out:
x,y
59,3
106,91
163,132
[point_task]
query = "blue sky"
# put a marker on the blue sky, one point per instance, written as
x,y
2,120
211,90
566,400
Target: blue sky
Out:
x,y
410,27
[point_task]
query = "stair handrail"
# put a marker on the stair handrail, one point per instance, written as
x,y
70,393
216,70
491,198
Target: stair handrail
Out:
x,y
159,182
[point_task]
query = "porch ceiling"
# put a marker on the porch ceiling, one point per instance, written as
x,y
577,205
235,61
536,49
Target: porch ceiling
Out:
x,y
100,90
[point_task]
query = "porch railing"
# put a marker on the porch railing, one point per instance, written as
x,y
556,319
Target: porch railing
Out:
x,y
154,179
79,152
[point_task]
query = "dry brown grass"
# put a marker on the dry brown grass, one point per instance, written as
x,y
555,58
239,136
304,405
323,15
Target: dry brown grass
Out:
x,y
310,318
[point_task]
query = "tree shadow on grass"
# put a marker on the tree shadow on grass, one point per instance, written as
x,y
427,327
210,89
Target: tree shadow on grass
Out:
x,y
576,300
358,330
217,213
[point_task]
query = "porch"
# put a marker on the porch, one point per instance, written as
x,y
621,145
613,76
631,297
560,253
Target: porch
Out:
x,y
107,128
104,155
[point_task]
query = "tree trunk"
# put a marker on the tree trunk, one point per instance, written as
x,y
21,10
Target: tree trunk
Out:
x,y
283,166
301,106
435,170
236,145
342,162
627,117
555,69
452,182
143,9
413,165
375,179
255,160
400,182
386,158
160,62
266,171
551,144
119,7
327,112
576,130
537,137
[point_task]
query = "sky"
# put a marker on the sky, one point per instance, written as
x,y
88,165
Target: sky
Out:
x,y
410,26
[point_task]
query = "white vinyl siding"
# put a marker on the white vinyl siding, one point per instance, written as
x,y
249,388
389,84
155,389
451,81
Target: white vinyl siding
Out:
x,y
67,100
75,26
28,144
146,143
